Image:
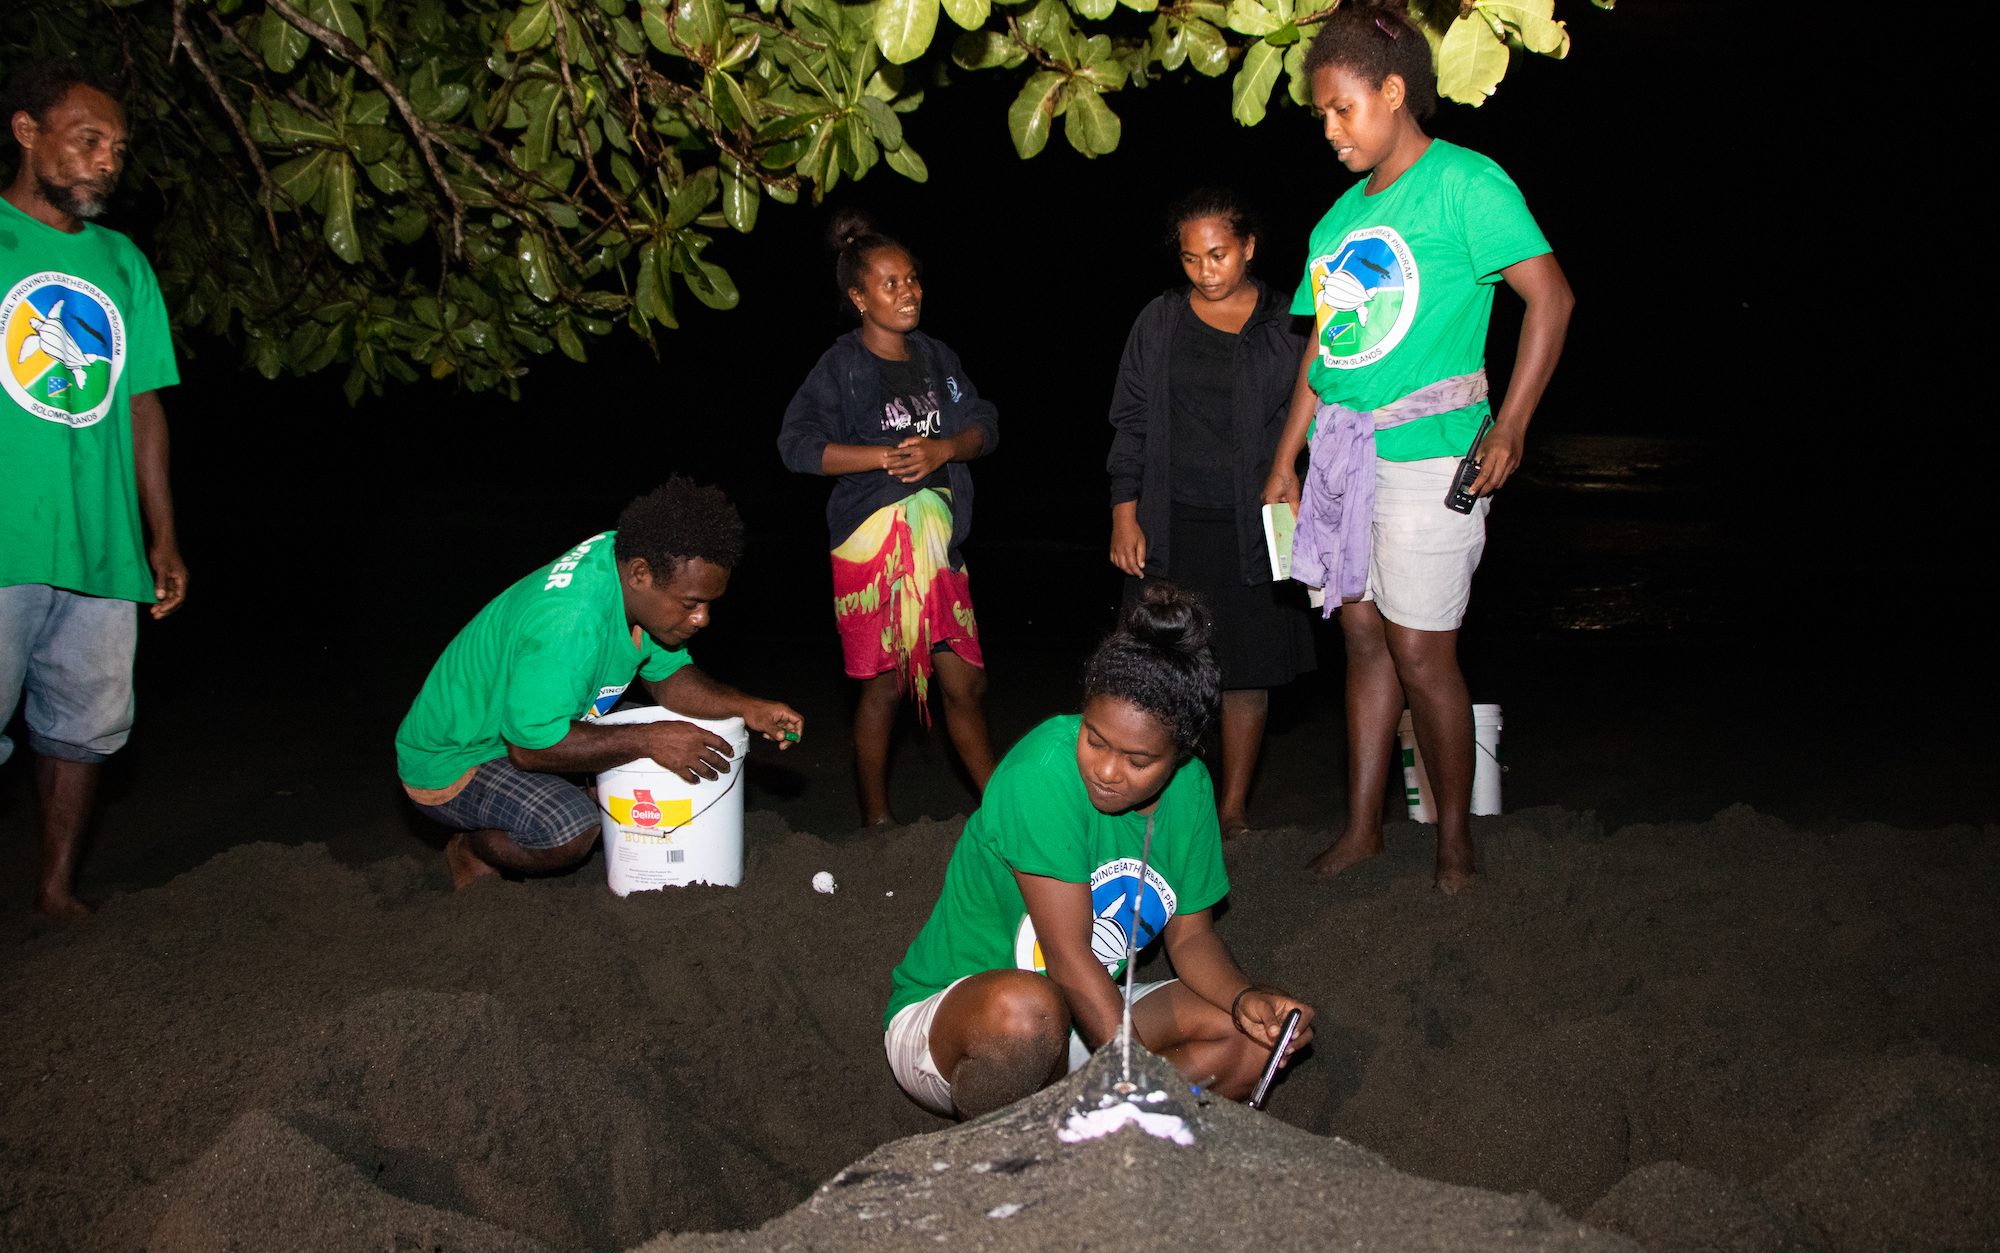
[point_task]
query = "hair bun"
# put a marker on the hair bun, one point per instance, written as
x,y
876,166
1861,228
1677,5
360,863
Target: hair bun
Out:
x,y
849,227
1166,616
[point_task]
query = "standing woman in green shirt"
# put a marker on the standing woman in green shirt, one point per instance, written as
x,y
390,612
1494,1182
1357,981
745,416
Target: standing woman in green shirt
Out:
x,y
1012,981
1393,390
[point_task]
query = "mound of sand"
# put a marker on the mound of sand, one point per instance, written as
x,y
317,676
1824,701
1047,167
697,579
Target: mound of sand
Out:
x,y
1731,1034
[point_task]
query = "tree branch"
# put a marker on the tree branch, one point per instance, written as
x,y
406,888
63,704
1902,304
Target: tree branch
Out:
x,y
184,41
353,52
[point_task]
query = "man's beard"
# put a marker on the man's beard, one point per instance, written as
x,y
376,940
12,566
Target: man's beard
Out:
x,y
81,199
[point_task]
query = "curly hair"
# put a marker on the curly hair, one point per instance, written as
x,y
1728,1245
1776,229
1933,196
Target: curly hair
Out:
x,y
1210,202
1375,40
679,520
853,238
1160,660
38,86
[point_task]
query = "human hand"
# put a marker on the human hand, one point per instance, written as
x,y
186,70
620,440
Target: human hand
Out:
x,y
1498,455
1282,485
776,722
170,578
689,751
916,458
1128,540
1260,1014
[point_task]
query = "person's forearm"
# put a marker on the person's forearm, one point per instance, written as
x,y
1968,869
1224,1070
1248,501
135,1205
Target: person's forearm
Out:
x,y
150,466
588,748
1205,967
693,692
967,444
1305,403
1544,325
854,458
1096,1003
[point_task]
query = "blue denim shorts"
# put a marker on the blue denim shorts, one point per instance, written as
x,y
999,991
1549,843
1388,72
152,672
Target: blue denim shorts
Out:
x,y
67,658
535,810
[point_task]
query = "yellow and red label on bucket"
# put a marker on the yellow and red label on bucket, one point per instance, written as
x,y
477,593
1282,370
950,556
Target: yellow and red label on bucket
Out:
x,y
642,811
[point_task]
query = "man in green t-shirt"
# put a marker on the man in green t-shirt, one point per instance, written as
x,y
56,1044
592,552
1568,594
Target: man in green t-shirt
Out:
x,y
511,707
83,439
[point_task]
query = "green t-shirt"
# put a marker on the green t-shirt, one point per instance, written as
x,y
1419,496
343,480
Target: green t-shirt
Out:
x,y
1400,286
85,331
1036,817
551,650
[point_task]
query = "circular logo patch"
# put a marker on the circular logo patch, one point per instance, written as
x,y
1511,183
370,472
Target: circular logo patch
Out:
x,y
1114,890
1364,297
65,348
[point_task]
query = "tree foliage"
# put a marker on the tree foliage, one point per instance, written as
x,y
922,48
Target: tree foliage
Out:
x,y
450,187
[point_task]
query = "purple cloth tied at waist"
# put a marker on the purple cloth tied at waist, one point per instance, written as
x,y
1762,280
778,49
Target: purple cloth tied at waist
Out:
x,y
1330,546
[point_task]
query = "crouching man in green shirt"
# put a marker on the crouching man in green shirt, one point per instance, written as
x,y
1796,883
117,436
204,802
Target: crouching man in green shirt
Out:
x,y
512,705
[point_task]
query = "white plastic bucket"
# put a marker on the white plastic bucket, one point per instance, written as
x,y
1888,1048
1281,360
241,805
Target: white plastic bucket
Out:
x,y
1486,768
660,830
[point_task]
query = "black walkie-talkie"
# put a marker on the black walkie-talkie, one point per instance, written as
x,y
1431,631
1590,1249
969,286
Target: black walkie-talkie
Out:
x,y
1460,498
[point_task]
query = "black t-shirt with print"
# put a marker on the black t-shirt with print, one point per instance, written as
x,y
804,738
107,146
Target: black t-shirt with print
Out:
x,y
910,407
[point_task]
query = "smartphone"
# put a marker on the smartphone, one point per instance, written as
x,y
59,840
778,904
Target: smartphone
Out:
x,y
1285,1035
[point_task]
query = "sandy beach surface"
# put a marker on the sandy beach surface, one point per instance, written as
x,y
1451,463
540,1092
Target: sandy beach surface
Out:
x,y
1730,1034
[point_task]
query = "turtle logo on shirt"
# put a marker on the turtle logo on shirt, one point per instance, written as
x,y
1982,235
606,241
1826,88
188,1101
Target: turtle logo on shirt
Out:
x,y
1364,297
64,348
1114,888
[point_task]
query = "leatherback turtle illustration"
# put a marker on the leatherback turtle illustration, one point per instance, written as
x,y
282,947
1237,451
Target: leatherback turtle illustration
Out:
x,y
50,337
1341,292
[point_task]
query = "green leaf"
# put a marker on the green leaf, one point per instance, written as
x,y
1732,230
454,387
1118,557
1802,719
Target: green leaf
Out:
x,y
970,14
903,28
857,149
1207,50
1531,23
338,229
1296,82
702,23
566,340
539,100
883,122
1470,61
653,20
1033,112
986,50
530,27
281,42
1095,10
1248,17
731,102
340,17
300,177
534,267
905,161
1089,124
710,283
741,192
695,193
1250,93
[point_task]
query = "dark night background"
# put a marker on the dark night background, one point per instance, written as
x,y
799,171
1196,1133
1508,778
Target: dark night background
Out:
x,y
1739,565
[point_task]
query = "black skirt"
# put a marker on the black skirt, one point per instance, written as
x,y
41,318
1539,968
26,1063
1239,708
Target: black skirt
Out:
x,y
1262,635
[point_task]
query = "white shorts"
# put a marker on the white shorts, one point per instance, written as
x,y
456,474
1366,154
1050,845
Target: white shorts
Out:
x,y
908,1043
1421,560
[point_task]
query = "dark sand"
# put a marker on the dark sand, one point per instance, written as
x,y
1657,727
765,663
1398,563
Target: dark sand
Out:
x,y
1729,1034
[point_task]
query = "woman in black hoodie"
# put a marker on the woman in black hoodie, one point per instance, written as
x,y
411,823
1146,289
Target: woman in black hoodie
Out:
x,y
890,414
1201,399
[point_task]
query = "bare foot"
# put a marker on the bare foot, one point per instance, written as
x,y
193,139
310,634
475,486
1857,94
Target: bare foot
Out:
x,y
1350,849
64,907
1234,826
466,865
1454,865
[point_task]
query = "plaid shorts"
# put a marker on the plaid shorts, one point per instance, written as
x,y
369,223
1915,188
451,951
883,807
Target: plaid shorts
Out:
x,y
534,810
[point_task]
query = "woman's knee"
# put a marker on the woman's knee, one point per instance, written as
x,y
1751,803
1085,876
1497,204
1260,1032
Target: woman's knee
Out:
x,y
961,682
1014,1012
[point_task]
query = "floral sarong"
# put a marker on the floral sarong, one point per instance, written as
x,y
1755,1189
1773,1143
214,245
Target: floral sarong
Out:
x,y
896,597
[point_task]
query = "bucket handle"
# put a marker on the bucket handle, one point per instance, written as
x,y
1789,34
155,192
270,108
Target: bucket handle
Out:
x,y
1490,753
735,777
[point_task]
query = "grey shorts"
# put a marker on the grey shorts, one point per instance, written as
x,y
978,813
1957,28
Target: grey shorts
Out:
x,y
70,657
535,810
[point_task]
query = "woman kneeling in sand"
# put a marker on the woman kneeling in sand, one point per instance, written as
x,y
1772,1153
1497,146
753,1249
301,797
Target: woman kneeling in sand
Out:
x,y
1045,879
